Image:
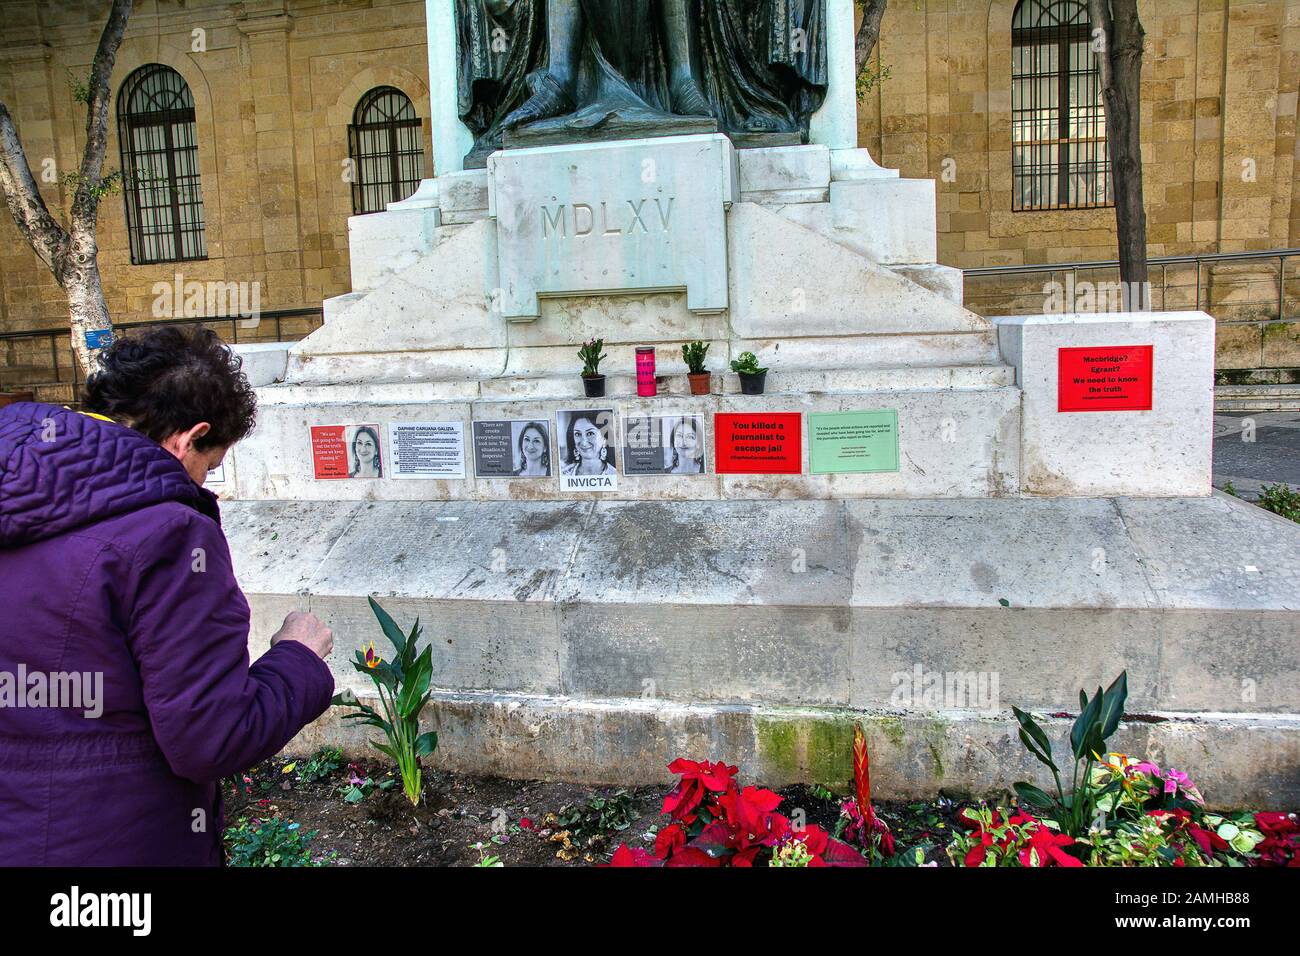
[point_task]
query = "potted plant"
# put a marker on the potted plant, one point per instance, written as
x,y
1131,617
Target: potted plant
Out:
x,y
591,356
693,353
752,377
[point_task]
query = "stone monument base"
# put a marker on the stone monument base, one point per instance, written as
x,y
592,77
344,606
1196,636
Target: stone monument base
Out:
x,y
596,641
1021,507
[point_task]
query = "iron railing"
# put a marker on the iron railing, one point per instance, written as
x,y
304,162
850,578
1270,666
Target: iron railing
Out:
x,y
1164,264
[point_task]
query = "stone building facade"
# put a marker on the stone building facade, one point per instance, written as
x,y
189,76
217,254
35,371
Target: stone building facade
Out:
x,y
276,83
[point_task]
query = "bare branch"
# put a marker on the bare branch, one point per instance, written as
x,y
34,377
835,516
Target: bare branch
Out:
x,y
47,237
85,200
868,33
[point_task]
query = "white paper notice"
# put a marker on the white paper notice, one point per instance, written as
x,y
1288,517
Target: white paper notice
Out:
x,y
427,449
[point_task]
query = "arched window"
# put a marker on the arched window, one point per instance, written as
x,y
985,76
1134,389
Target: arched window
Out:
x,y
160,166
385,145
1058,122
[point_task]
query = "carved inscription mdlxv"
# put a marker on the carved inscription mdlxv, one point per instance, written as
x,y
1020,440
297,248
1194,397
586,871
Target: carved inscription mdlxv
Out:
x,y
579,219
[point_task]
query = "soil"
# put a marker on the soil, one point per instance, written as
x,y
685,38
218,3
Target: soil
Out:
x,y
523,823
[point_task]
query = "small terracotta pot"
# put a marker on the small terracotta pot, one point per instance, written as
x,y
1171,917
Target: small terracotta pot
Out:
x,y
594,385
699,382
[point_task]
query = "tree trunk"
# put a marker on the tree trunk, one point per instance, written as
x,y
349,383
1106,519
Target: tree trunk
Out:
x,y
868,33
71,254
1116,25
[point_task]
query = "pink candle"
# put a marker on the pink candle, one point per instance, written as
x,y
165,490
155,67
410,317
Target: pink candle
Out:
x,y
645,371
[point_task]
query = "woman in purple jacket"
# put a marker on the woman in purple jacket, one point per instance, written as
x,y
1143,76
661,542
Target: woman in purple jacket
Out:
x,y
126,693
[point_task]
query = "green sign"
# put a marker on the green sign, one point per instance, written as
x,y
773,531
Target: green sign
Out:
x,y
847,442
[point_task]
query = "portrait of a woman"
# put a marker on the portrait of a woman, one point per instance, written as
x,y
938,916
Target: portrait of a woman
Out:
x,y
533,452
687,447
364,453
588,450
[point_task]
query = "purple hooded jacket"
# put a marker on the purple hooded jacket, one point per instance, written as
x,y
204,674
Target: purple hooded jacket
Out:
x,y
112,563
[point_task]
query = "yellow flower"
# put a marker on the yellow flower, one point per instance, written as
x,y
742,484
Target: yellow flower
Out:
x,y
373,660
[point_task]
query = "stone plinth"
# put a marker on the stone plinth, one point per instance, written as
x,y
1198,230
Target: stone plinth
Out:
x,y
1164,449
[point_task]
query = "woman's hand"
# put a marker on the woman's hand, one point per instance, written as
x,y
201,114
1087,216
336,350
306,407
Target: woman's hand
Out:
x,y
306,628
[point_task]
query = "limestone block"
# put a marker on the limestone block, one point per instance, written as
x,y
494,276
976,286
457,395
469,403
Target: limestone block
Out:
x,y
790,281
263,362
952,444
942,280
442,301
383,243
1162,452
888,220
797,173
463,195
613,217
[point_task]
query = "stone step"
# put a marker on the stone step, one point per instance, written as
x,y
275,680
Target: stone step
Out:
x,y
914,755
781,610
1257,398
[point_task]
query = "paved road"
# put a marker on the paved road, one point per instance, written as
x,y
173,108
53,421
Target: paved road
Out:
x,y
1273,456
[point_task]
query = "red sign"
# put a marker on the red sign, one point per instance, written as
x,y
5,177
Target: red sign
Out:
x,y
758,443
1109,378
329,451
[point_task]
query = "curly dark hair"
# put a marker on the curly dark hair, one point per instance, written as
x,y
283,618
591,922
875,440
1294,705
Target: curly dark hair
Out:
x,y
168,379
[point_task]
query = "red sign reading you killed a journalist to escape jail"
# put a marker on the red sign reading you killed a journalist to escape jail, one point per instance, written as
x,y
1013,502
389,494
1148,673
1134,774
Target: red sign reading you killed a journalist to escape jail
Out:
x,y
1111,378
761,443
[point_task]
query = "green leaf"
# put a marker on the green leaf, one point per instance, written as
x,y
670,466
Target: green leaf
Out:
x,y
1112,708
1031,795
1083,733
426,744
384,748
1029,729
389,626
417,683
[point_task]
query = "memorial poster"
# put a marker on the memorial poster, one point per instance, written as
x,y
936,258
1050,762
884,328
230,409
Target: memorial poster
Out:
x,y
512,449
852,442
585,439
346,451
758,443
1109,378
427,449
664,445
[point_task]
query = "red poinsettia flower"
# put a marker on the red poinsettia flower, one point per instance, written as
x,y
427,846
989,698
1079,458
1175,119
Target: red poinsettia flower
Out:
x,y
698,779
750,815
1048,845
633,856
669,839
692,856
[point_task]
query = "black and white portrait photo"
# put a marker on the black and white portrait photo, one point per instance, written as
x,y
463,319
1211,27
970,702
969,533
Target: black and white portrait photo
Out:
x,y
586,440
512,449
364,459
664,445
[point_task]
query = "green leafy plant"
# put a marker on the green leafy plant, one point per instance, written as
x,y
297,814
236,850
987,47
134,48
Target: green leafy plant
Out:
x,y
485,859
747,364
403,686
1076,809
693,353
323,763
271,842
591,356
1280,500
358,788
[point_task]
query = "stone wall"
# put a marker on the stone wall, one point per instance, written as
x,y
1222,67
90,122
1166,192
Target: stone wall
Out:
x,y
275,85
1219,103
